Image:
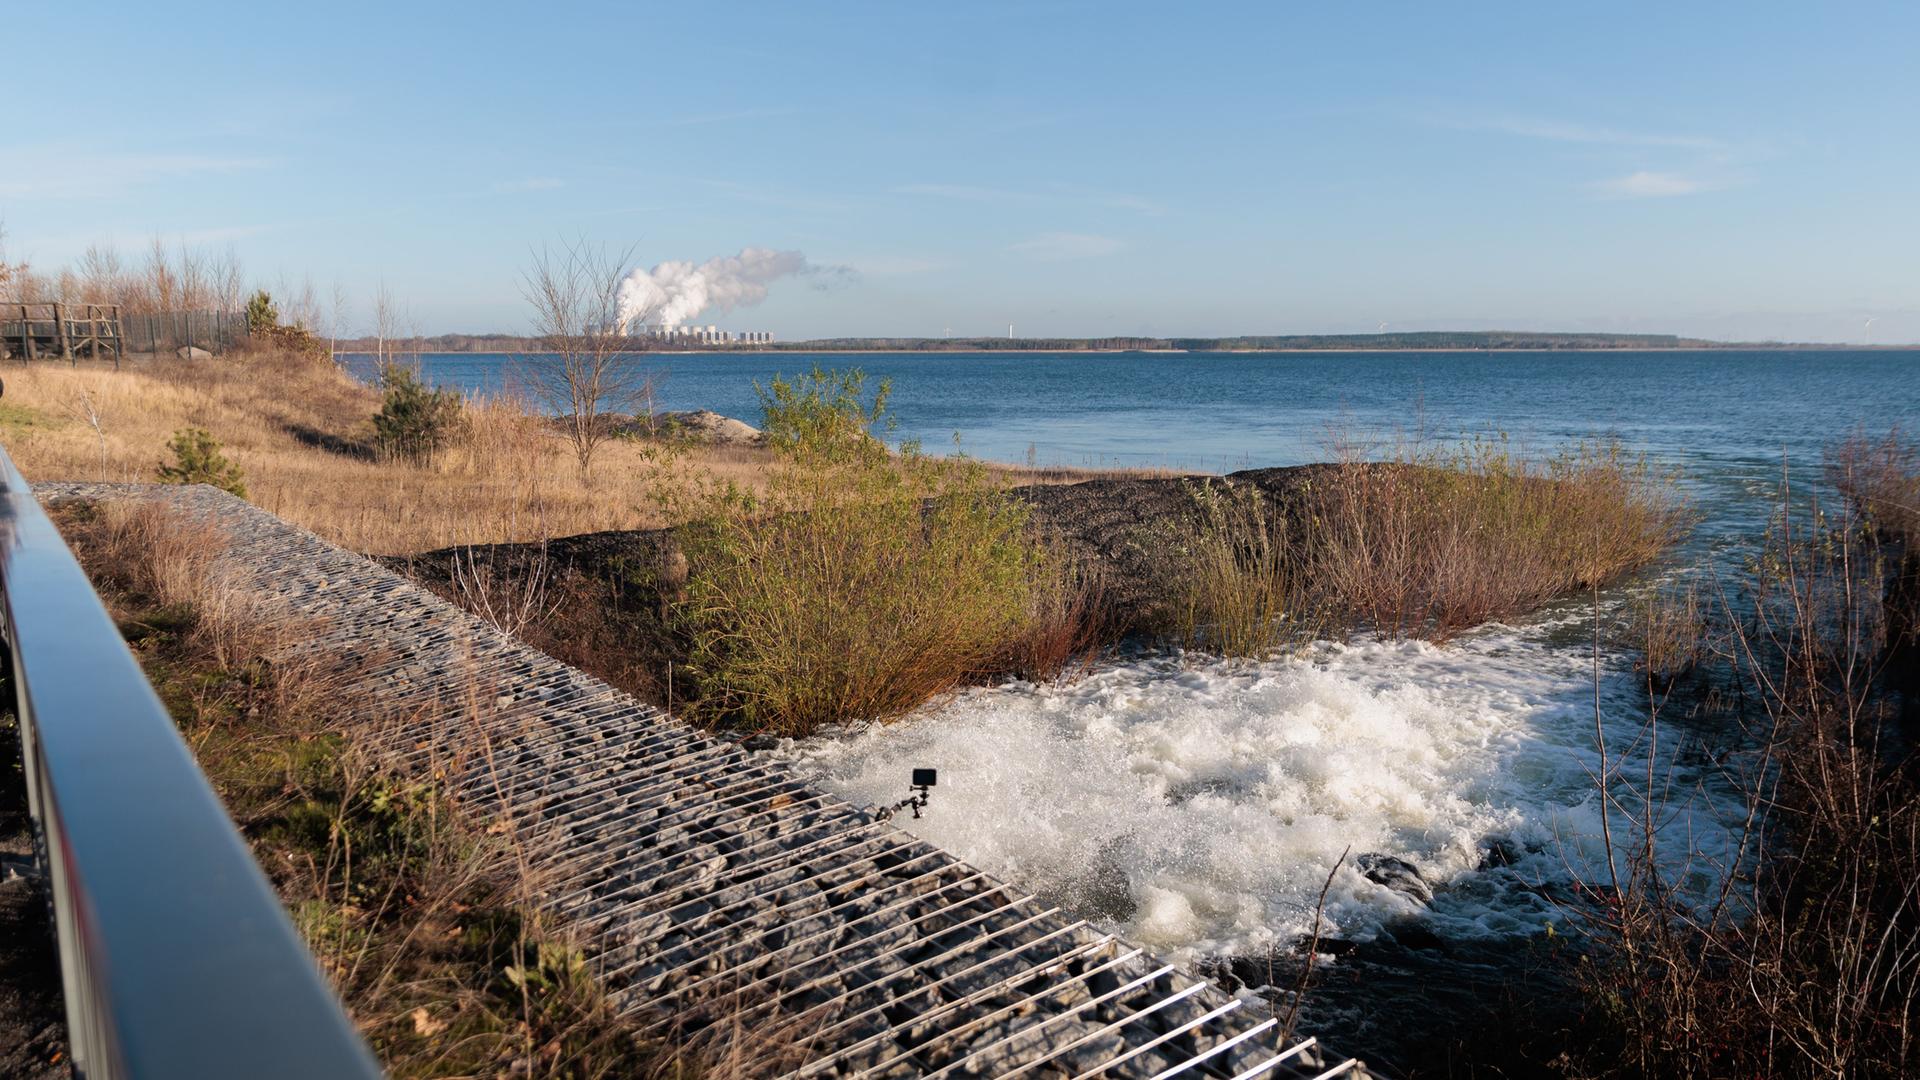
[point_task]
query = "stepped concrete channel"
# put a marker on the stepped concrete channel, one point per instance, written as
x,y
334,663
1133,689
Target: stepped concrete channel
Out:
x,y
717,889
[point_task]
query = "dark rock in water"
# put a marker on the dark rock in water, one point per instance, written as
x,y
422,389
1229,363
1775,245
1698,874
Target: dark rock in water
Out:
x,y
1333,946
1397,874
1500,851
1415,934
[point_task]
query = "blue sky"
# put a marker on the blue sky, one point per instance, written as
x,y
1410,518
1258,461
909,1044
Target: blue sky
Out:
x,y
1735,170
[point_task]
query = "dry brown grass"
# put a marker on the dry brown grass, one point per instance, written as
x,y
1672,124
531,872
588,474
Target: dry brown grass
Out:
x,y
420,909
300,429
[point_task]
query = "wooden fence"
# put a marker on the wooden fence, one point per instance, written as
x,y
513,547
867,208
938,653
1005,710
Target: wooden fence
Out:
x,y
166,331
48,331
62,331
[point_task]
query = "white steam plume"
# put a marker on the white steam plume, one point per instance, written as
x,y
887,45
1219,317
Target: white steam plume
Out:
x,y
672,293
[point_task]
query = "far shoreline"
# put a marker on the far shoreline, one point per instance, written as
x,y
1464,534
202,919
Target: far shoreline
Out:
x,y
974,353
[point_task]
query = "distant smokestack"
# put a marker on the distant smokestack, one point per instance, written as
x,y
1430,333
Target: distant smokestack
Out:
x,y
672,293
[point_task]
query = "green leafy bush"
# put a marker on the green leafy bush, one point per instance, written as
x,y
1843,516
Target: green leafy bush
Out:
x,y
860,582
197,460
414,420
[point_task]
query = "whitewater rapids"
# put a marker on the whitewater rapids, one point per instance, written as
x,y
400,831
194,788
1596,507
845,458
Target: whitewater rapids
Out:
x,y
1198,805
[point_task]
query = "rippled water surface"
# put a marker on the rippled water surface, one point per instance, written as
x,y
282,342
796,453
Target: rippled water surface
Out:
x,y
1218,411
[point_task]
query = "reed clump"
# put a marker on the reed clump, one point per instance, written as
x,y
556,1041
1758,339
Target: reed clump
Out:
x,y
1432,542
858,582
1426,543
1880,477
1243,581
1670,633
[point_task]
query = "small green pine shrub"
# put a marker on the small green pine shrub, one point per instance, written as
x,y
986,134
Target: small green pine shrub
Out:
x,y
197,460
414,420
262,315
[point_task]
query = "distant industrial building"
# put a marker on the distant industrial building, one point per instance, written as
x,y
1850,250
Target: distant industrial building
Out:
x,y
709,335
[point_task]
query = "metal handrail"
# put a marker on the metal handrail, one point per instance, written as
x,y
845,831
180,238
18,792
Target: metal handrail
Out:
x,y
176,956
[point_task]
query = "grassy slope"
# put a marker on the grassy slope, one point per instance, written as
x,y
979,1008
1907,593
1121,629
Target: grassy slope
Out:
x,y
301,432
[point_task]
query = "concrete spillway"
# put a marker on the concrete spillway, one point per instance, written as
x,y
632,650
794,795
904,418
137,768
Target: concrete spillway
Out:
x,y
716,890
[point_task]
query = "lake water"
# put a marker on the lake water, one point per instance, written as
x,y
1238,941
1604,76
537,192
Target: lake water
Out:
x,y
1222,411
1200,805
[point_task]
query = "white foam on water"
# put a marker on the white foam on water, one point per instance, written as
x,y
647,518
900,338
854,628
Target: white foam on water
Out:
x,y
1198,807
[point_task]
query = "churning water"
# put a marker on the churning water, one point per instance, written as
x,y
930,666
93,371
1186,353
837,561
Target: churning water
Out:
x,y
1201,806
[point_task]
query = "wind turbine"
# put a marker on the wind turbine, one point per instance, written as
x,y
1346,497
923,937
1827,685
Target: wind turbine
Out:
x,y
1866,330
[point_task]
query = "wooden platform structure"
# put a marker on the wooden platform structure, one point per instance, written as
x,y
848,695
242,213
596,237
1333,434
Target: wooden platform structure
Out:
x,y
63,331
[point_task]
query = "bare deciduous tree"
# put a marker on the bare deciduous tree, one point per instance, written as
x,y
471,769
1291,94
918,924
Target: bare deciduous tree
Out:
x,y
338,312
387,319
591,373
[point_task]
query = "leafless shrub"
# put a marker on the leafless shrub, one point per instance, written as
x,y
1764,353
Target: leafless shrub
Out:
x,y
512,598
591,374
1807,960
87,408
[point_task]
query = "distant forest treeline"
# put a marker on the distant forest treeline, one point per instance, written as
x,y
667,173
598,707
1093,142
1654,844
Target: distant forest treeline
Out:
x,y
1425,339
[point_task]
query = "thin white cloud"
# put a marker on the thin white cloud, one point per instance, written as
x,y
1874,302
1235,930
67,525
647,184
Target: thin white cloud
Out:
x,y
895,265
1062,246
773,196
532,183
1580,133
1123,201
965,192
701,119
1118,200
1646,184
65,171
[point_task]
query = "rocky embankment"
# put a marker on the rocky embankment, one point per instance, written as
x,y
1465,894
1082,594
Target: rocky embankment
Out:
x,y
698,425
1117,526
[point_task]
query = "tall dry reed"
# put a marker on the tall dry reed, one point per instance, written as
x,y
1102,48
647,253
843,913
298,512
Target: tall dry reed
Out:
x,y
1432,542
